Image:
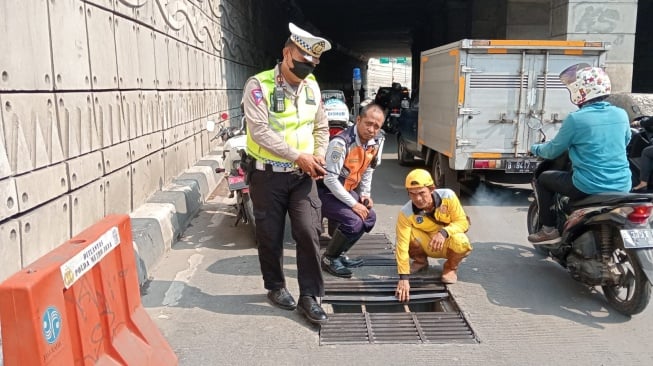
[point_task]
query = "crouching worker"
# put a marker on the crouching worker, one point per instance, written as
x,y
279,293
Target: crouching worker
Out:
x,y
346,198
432,224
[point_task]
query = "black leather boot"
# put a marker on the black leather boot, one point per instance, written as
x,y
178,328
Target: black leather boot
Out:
x,y
335,267
351,262
331,260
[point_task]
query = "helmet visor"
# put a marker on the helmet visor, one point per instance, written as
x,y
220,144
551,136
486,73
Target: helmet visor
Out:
x,y
568,76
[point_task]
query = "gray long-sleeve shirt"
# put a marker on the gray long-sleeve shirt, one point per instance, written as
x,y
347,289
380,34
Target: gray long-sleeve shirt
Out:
x,y
335,160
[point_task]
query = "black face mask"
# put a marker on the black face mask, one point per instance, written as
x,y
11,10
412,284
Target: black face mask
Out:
x,y
302,69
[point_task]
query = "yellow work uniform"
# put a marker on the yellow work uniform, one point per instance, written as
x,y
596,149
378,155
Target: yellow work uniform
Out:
x,y
416,225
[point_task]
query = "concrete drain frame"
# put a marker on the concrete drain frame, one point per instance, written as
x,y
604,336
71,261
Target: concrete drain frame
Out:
x,y
367,312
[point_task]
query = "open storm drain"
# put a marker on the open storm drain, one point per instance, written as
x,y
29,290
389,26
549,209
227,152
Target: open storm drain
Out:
x,y
366,311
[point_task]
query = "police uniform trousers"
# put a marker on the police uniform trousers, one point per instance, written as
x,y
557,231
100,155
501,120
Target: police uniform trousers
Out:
x,y
350,224
273,195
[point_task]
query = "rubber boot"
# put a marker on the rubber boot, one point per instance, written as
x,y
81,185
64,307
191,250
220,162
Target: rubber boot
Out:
x,y
449,275
351,262
331,261
418,255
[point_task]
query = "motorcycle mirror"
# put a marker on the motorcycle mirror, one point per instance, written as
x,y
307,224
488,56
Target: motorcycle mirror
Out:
x,y
210,125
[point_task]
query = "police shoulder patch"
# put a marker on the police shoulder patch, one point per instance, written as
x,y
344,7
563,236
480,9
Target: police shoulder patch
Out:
x,y
257,94
336,154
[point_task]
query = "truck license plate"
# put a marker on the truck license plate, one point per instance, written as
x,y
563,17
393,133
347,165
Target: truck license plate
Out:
x,y
520,166
637,238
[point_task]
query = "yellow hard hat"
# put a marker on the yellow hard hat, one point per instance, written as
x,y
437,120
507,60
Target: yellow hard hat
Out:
x,y
419,178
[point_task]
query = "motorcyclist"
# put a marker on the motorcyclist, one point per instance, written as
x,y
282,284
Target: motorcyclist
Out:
x,y
596,136
646,162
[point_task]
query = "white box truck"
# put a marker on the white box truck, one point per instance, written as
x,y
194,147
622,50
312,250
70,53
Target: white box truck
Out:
x,y
482,103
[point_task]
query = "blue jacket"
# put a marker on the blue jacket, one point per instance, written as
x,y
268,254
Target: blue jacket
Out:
x,y
596,136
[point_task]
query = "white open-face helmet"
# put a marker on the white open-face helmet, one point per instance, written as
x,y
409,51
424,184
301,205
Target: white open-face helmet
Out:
x,y
585,82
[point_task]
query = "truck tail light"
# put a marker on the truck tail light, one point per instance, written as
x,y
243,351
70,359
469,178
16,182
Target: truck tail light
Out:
x,y
481,164
487,164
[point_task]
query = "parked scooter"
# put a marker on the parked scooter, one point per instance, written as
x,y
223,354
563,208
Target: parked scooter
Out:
x,y
642,135
606,240
233,150
337,114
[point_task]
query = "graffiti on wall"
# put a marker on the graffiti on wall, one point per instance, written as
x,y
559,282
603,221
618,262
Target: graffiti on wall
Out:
x,y
596,19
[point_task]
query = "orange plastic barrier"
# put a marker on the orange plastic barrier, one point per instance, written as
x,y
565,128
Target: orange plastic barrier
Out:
x,y
80,305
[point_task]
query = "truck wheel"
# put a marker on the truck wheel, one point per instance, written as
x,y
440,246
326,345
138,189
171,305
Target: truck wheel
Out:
x,y
403,156
443,176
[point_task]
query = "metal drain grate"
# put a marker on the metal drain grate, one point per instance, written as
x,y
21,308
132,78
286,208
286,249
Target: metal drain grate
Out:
x,y
396,328
366,311
375,249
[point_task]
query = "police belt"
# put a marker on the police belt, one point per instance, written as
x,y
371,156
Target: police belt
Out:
x,y
273,168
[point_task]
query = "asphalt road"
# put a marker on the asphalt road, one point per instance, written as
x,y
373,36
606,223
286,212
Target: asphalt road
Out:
x,y
207,296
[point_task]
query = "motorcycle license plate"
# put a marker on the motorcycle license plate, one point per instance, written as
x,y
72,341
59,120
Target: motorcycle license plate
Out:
x,y
637,238
236,182
520,166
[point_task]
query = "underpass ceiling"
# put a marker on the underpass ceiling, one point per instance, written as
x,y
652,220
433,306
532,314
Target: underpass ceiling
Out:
x,y
371,28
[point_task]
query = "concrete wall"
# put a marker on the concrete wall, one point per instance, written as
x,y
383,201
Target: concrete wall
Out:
x,y
104,102
611,21
527,19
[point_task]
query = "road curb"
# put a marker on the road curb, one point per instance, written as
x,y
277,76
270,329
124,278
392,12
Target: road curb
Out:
x,y
158,223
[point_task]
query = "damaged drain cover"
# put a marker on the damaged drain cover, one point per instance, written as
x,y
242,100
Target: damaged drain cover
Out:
x,y
366,311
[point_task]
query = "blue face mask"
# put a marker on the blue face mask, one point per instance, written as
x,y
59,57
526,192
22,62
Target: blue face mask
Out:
x,y
302,69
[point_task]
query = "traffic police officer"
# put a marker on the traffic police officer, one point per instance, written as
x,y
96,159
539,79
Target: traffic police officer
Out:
x,y
346,198
287,135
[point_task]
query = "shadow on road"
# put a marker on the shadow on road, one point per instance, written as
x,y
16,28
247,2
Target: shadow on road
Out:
x,y
518,277
191,297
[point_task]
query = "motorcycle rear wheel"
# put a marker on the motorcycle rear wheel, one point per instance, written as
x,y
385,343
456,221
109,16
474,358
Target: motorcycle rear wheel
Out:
x,y
634,296
534,225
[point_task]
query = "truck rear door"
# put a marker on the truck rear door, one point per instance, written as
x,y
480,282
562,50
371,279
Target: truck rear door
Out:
x,y
513,98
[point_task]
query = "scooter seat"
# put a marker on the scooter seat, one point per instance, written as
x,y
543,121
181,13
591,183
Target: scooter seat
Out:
x,y
610,199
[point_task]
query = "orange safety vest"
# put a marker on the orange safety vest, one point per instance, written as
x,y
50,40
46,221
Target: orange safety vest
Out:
x,y
357,159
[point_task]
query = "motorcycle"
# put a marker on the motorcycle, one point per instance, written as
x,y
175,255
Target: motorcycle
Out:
x,y
606,240
233,150
337,114
640,139
393,100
